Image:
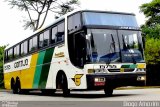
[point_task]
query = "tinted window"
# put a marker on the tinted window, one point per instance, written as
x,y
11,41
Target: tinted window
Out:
x,y
54,32
60,34
40,40
16,51
22,49
10,54
74,22
5,58
34,43
25,47
93,18
30,44
46,38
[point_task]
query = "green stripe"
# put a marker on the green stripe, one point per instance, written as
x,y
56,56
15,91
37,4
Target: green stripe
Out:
x,y
129,66
45,68
38,69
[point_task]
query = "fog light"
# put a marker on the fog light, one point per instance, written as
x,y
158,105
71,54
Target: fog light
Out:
x,y
141,78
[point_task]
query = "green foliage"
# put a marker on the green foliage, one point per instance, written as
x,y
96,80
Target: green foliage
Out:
x,y
152,32
152,12
1,64
152,51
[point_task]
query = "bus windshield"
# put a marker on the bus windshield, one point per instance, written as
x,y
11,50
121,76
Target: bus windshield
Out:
x,y
110,19
105,46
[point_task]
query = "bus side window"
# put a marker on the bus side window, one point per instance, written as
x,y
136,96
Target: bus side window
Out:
x,y
74,22
22,50
41,40
30,45
35,43
60,33
46,38
25,47
16,51
10,54
53,37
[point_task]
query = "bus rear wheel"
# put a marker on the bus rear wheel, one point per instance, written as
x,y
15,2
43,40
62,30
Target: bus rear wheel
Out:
x,y
16,88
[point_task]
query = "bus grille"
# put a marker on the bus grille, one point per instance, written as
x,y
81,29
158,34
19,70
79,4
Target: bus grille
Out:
x,y
118,70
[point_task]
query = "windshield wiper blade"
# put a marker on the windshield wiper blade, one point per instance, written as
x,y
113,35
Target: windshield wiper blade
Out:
x,y
111,44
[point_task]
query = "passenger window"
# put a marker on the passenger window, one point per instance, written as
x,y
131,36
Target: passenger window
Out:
x,y
25,47
22,49
16,51
41,40
34,43
30,44
74,22
10,54
54,32
46,38
60,34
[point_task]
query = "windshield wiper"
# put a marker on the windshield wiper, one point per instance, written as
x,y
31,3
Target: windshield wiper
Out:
x,y
111,44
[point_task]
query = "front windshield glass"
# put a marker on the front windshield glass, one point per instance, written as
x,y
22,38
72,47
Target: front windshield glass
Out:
x,y
105,46
131,46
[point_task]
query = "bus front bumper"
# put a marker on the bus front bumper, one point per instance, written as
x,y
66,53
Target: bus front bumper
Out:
x,y
98,81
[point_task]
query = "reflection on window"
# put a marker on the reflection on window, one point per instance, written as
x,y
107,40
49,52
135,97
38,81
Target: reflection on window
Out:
x,y
74,22
30,45
46,38
60,34
41,40
10,54
25,47
22,49
16,51
94,18
54,32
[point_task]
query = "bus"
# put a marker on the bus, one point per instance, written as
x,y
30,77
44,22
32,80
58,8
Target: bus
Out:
x,y
82,50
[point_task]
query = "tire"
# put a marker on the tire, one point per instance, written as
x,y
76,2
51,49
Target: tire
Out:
x,y
108,91
13,86
66,91
17,87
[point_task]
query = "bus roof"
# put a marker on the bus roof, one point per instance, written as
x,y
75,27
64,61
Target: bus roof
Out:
x,y
66,15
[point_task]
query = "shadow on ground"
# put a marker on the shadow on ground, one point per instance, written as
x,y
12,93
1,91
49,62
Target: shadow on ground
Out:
x,y
76,95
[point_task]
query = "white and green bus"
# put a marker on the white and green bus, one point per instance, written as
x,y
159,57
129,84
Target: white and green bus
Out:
x,y
82,50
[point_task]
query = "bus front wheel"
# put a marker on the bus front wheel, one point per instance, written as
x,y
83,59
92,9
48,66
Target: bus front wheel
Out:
x,y
108,91
66,91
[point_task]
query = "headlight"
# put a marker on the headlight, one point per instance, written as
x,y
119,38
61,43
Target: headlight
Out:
x,y
140,70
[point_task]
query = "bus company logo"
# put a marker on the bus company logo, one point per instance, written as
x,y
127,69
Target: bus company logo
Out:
x,y
61,54
21,63
77,79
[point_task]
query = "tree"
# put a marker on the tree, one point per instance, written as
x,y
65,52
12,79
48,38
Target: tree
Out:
x,y
1,64
152,51
38,10
152,12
